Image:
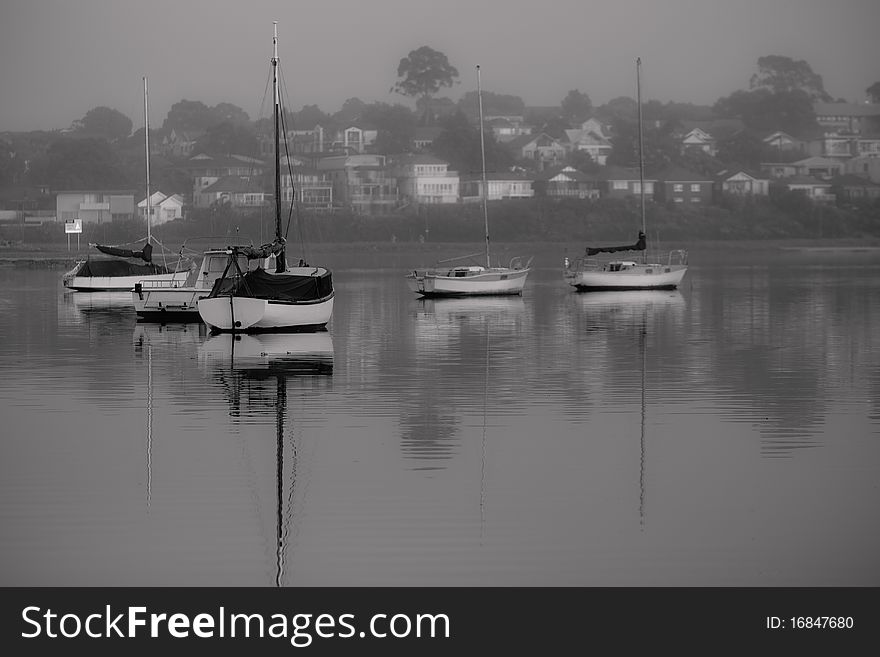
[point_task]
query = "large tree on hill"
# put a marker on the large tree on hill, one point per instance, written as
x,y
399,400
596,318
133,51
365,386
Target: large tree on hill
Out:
x,y
104,122
422,73
576,107
782,74
874,92
229,139
764,111
189,116
459,144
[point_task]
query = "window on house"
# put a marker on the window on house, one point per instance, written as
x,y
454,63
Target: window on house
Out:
x,y
678,199
695,199
695,187
678,187
619,184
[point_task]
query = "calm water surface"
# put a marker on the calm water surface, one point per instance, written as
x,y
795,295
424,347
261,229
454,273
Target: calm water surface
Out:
x,y
724,434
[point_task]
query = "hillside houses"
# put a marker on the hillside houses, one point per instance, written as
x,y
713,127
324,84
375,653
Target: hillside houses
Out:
x,y
337,165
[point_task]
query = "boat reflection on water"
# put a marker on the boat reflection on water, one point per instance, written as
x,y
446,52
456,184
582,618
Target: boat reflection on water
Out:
x,y
112,309
257,355
631,303
439,320
257,373
639,319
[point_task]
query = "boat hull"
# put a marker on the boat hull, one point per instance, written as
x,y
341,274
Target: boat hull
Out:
x,y
248,314
168,304
116,283
491,282
640,277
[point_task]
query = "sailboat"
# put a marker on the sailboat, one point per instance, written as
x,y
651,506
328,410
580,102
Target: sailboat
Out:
x,y
127,267
588,273
449,280
277,297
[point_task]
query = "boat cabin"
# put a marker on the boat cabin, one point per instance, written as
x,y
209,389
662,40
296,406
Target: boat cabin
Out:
x,y
620,265
458,272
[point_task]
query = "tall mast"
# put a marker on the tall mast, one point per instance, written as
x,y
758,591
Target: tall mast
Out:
x,y
280,264
147,153
484,190
641,154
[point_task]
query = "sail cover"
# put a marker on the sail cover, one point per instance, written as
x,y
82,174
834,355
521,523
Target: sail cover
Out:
x,y
145,254
93,268
264,251
638,246
260,284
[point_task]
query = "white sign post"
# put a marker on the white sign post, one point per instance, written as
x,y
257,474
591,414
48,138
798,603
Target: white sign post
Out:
x,y
75,226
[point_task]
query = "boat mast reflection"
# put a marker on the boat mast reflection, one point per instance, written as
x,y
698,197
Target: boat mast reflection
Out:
x,y
244,364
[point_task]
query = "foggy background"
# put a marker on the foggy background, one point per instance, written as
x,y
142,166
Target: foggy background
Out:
x,y
59,59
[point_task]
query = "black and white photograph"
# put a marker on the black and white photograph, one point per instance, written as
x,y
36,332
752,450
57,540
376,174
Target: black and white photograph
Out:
x,y
465,296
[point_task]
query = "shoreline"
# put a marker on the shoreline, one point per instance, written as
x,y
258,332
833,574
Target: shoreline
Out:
x,y
58,256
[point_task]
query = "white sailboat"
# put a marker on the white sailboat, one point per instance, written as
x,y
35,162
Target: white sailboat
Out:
x,y
449,280
278,298
127,267
650,273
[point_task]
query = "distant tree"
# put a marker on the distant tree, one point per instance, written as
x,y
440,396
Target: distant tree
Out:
x,y
782,74
79,164
744,149
874,92
621,107
308,117
104,122
11,166
351,110
228,139
423,72
189,116
582,161
764,111
229,113
395,124
459,144
576,107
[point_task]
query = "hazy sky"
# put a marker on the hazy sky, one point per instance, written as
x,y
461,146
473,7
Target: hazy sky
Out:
x,y
60,58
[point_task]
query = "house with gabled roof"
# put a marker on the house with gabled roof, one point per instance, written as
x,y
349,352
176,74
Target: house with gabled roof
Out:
x,y
782,142
741,182
179,143
590,142
678,185
540,147
623,182
706,135
566,182
163,208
